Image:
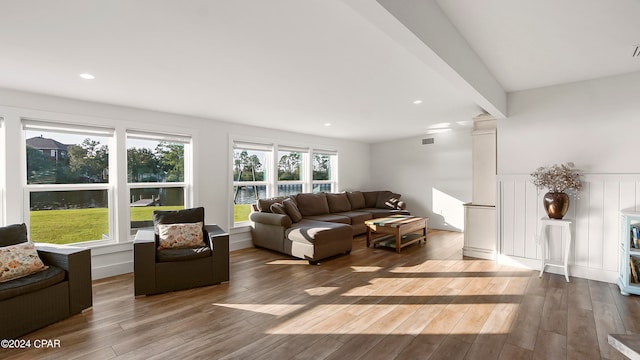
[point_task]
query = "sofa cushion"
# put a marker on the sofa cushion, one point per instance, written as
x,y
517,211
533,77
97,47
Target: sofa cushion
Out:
x,y
19,260
377,213
356,199
338,202
278,208
370,198
387,200
264,205
334,218
310,232
180,236
357,217
311,204
178,216
40,280
292,210
13,234
168,255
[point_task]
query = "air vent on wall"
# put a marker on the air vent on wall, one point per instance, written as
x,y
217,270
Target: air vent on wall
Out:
x,y
427,141
636,51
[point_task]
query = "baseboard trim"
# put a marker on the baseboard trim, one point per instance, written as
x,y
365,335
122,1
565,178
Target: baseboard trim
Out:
x,y
240,244
478,253
574,271
101,272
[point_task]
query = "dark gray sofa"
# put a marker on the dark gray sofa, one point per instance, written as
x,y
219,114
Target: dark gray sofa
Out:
x,y
327,222
48,296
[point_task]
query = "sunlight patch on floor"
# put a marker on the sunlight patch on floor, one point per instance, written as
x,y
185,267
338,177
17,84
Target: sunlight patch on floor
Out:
x,y
365,269
271,309
288,262
322,290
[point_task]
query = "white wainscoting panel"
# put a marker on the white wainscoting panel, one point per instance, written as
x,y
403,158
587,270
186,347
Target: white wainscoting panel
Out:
x,y
596,223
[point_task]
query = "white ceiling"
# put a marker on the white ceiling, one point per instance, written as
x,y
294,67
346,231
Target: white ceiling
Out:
x,y
535,43
298,64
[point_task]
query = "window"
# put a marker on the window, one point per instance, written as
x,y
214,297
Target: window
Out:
x,y
67,182
3,167
324,171
156,175
260,171
291,170
251,165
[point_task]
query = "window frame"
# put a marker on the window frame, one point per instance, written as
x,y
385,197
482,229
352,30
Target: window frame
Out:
x,y
271,181
187,182
28,124
269,172
3,167
304,176
333,169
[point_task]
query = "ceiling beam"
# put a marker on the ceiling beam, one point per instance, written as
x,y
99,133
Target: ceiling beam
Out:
x,y
422,28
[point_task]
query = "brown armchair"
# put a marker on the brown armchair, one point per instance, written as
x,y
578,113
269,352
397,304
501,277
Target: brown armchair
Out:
x,y
47,296
162,270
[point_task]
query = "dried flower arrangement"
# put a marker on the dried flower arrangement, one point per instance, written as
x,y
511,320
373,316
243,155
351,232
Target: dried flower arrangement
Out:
x,y
558,178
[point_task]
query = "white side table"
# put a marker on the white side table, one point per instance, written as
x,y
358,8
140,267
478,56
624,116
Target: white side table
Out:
x,y
543,241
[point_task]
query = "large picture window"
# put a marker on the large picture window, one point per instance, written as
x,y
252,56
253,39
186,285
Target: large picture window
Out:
x,y
3,166
324,171
266,170
156,174
291,174
251,173
67,182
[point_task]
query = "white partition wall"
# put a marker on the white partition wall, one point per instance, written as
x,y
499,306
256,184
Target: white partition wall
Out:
x,y
596,229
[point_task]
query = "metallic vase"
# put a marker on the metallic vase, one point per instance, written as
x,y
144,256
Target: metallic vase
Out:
x,y
556,204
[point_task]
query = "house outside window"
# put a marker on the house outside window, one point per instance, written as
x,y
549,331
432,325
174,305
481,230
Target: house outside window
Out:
x,y
67,190
157,175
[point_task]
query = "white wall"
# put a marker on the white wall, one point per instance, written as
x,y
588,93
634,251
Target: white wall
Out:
x,y
592,123
212,185
434,180
595,124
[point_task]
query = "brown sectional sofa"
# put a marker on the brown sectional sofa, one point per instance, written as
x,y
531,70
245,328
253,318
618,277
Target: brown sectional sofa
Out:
x,y
324,224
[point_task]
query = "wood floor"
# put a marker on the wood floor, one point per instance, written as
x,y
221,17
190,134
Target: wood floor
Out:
x,y
425,303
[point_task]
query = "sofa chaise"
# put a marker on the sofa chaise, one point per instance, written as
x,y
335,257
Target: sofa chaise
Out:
x,y
314,226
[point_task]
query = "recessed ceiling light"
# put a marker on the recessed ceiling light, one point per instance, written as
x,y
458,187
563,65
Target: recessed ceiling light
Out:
x,y
417,102
327,124
87,76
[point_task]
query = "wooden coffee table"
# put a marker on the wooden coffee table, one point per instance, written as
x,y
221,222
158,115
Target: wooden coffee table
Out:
x,y
406,229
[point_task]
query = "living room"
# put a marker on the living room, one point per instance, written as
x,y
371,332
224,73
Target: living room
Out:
x,y
585,117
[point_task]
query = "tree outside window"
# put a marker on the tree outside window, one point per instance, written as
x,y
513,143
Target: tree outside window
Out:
x,y
67,182
249,173
156,175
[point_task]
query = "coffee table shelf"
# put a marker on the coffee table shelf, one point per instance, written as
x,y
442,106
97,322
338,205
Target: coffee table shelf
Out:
x,y
399,231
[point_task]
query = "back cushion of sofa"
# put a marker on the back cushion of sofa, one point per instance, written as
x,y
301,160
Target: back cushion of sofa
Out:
x,y
312,204
387,200
264,205
356,199
13,234
338,202
370,198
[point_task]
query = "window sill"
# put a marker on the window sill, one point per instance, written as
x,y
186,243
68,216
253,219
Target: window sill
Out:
x,y
101,247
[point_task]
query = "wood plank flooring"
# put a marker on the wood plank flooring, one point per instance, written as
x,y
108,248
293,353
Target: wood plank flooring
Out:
x,y
425,303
